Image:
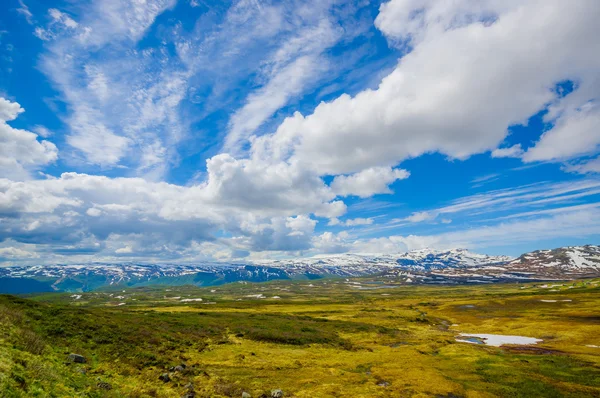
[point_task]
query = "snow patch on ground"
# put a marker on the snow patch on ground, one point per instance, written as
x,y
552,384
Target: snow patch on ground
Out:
x,y
497,340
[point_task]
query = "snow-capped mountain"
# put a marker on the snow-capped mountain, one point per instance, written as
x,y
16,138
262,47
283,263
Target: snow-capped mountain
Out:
x,y
419,266
417,260
572,260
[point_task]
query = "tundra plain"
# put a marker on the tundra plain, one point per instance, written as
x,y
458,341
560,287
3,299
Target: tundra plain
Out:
x,y
362,337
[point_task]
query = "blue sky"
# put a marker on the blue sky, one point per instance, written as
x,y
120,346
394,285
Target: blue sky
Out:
x,y
193,130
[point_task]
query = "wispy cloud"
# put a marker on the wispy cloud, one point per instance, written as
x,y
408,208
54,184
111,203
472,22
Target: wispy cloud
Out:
x,y
565,224
24,10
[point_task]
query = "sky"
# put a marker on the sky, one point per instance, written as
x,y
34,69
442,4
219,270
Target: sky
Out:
x,y
200,130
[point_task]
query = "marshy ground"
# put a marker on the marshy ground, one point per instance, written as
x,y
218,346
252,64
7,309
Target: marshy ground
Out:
x,y
324,338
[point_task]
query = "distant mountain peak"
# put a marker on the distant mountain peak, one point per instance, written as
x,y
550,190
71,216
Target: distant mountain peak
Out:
x,y
425,266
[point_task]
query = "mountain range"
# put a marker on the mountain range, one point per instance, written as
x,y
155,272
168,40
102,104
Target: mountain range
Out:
x,y
415,267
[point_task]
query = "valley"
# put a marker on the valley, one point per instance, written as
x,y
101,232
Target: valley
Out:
x,y
358,337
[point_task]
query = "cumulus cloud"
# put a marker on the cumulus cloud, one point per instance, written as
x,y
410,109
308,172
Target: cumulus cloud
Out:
x,y
260,214
575,132
468,73
20,150
11,253
368,182
421,216
438,98
330,243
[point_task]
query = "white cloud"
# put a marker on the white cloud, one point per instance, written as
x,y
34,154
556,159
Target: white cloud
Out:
x,y
24,10
329,242
124,250
62,18
259,208
42,131
470,72
522,196
294,67
351,222
127,99
588,166
438,98
110,19
514,151
567,223
575,132
421,216
16,253
9,110
93,212
368,182
20,151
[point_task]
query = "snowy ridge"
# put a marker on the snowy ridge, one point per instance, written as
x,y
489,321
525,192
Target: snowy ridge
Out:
x,y
419,266
565,260
421,260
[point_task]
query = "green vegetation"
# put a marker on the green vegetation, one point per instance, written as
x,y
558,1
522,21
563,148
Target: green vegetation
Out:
x,y
322,338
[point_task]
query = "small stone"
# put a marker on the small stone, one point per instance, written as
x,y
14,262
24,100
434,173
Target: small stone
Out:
x,y
178,368
276,393
164,377
246,395
104,385
189,386
76,358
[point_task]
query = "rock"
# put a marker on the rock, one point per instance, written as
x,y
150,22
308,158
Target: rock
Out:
x,y
190,394
164,377
104,385
383,384
189,386
276,393
179,368
77,358
246,395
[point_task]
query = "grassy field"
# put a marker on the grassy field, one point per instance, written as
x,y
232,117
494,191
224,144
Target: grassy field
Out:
x,y
325,338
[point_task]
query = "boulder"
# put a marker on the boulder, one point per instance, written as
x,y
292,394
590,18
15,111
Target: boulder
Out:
x,y
276,393
164,377
76,358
